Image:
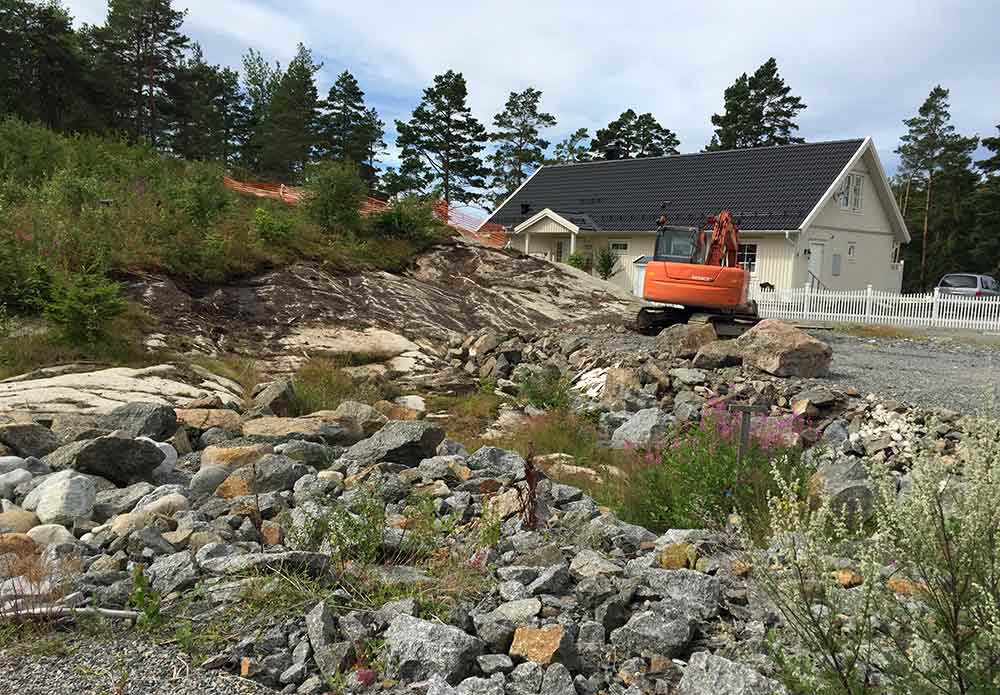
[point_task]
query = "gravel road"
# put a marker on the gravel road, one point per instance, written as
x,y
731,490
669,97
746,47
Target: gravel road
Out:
x,y
929,372
120,664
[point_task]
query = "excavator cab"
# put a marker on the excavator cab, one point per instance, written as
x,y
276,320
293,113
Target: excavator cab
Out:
x,y
679,245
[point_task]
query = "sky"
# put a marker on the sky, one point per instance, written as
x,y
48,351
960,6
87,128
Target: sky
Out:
x,y
860,67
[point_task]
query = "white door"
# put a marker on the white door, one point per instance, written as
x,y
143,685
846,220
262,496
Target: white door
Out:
x,y
816,249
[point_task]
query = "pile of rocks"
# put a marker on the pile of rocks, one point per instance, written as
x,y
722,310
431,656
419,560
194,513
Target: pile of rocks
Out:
x,y
580,604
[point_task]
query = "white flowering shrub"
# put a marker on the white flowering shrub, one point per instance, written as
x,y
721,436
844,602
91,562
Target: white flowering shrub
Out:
x,y
908,604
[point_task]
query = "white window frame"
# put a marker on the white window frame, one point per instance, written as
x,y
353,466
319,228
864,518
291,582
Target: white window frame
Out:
x,y
851,196
743,254
619,252
852,251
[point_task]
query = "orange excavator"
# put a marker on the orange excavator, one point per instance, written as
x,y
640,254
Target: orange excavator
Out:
x,y
695,277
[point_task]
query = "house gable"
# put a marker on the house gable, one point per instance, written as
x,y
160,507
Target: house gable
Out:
x,y
879,213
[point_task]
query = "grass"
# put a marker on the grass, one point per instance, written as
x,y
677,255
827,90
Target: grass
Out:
x,y
243,370
323,384
469,413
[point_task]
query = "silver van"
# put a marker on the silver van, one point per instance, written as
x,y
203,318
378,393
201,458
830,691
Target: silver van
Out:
x,y
969,285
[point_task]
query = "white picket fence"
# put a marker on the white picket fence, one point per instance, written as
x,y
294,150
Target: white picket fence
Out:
x,y
868,306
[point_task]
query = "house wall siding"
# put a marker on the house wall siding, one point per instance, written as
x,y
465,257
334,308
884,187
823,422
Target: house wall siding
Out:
x,y
775,259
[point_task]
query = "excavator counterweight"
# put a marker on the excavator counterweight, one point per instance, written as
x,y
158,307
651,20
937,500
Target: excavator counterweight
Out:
x,y
695,276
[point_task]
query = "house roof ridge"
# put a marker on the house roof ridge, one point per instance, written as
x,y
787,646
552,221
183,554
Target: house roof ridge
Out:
x,y
708,153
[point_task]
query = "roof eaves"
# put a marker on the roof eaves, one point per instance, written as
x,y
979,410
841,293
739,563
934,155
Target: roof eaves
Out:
x,y
507,199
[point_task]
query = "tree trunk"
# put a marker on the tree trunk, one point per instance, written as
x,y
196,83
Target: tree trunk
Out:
x,y
906,198
446,180
923,251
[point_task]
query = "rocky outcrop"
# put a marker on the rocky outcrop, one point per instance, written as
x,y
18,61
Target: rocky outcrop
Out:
x,y
80,389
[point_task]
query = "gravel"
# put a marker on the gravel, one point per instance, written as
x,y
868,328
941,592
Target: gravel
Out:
x,y
932,372
125,663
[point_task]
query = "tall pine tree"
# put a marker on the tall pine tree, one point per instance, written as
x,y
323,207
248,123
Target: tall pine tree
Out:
x,y
759,111
288,135
141,46
930,149
631,136
442,141
574,149
349,130
520,147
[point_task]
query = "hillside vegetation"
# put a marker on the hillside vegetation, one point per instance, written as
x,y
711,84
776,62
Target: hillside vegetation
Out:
x,y
78,212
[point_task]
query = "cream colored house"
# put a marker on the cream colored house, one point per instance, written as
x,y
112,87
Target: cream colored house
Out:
x,y
817,213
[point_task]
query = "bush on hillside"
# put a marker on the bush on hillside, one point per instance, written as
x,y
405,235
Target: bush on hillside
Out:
x,y
25,282
407,218
605,262
272,227
83,305
201,195
29,154
336,192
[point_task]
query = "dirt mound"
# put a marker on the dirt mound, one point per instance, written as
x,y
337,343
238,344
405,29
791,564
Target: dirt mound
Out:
x,y
453,289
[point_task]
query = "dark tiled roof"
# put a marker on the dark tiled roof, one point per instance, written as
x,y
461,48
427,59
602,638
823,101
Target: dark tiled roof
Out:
x,y
765,188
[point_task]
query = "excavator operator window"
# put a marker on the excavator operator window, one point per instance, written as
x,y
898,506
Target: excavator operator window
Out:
x,y
675,245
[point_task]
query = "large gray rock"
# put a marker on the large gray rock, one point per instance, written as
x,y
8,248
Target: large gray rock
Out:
x,y
665,632
848,486
557,681
497,463
292,560
67,501
120,500
643,429
329,653
272,473
207,479
695,589
685,339
157,422
170,573
120,460
406,442
417,649
279,396
360,417
713,675
29,439
783,350
10,481
12,463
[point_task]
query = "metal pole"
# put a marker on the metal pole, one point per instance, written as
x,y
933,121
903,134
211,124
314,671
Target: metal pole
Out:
x,y
744,446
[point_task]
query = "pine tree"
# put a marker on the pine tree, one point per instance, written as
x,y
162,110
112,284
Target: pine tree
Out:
x,y
931,147
289,131
260,82
574,149
350,131
209,112
411,178
991,165
759,111
632,136
142,46
443,137
44,74
520,147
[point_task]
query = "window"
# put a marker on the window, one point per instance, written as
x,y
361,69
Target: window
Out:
x,y
852,249
959,281
746,256
836,265
618,247
851,191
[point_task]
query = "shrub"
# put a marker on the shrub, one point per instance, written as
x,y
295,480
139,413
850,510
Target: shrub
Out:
x,y
694,479
605,262
29,154
546,390
83,305
924,617
271,227
578,260
72,190
407,218
199,193
336,193
25,282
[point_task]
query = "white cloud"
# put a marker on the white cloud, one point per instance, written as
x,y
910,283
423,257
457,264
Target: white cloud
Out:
x,y
860,67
